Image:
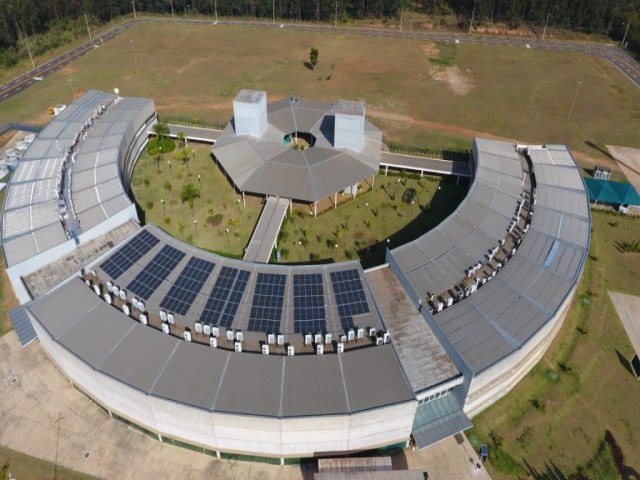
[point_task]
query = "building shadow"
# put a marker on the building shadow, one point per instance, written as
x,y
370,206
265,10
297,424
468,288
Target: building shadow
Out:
x,y
630,473
624,362
590,144
327,127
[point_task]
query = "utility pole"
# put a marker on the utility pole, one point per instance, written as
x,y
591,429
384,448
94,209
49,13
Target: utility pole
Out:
x,y
29,50
625,33
545,26
215,8
172,15
473,13
88,29
573,104
273,11
135,15
335,17
401,15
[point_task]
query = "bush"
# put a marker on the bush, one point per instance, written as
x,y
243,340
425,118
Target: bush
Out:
x,y
215,220
314,257
146,182
505,463
167,220
149,205
153,147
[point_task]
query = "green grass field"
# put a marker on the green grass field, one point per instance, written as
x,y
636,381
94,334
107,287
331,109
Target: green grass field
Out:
x,y
360,226
551,424
25,467
194,71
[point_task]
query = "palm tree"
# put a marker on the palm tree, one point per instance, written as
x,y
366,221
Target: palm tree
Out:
x,y
189,194
161,130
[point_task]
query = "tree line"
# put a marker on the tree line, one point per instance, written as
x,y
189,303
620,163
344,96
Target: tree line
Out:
x,y
68,18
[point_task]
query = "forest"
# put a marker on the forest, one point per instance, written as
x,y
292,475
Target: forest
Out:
x,y
60,20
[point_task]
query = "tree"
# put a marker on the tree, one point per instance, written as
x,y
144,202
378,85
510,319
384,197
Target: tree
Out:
x,y
161,130
181,140
313,58
189,194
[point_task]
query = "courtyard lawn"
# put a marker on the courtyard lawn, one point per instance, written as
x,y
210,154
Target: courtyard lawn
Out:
x,y
554,420
217,208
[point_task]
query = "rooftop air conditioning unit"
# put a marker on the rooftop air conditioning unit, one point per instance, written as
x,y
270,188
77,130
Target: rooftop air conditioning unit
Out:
x,y
215,331
163,315
213,342
320,349
379,341
206,329
474,287
110,286
239,336
134,302
280,339
440,306
143,319
513,251
328,338
187,335
115,290
230,335
372,332
360,333
123,295
198,326
318,338
141,305
238,346
87,282
340,347
125,309
386,337
171,319
449,301
93,273
343,338
97,289
265,349
308,339
271,339
291,351
107,298
351,335
165,328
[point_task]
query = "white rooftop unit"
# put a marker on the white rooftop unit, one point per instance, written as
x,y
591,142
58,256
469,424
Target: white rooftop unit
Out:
x,y
187,335
250,112
125,309
340,347
206,329
291,351
198,326
107,298
271,339
165,328
213,342
349,125
238,347
230,335
280,339
265,349
143,319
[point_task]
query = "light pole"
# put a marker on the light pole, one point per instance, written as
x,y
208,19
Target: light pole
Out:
x,y
71,85
335,17
172,15
88,29
575,97
273,11
135,15
215,9
135,58
625,33
195,222
238,205
545,26
226,230
169,163
164,213
199,182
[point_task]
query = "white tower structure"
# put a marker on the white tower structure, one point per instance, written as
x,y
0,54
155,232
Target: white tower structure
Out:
x,y
250,112
349,125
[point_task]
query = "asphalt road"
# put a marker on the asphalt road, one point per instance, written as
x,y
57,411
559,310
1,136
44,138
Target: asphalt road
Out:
x,y
613,54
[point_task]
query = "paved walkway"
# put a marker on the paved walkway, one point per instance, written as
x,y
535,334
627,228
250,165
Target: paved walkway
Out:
x,y
266,233
424,165
199,134
627,307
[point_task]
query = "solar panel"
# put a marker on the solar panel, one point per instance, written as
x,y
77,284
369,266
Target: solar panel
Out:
x,y
187,286
152,275
308,303
350,297
228,290
130,253
266,310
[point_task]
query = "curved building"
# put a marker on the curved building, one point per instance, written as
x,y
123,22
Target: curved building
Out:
x,y
229,356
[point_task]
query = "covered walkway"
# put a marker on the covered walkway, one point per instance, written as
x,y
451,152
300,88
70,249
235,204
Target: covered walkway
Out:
x,y
423,165
264,236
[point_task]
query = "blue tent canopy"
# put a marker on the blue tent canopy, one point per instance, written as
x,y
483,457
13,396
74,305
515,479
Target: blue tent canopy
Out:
x,y
606,191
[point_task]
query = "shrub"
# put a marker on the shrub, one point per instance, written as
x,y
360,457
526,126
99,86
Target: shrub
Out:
x,y
146,182
314,257
167,220
215,220
149,205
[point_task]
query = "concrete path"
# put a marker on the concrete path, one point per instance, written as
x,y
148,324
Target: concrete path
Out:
x,y
627,307
266,233
198,134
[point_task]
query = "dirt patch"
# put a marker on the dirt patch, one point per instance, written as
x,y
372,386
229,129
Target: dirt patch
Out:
x,y
69,69
431,50
192,62
460,83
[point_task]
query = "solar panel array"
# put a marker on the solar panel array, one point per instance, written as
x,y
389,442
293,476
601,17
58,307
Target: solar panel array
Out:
x,y
350,297
225,297
187,286
266,310
129,254
308,303
152,275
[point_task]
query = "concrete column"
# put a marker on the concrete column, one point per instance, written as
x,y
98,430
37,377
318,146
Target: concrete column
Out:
x,y
421,173
244,203
281,461
386,169
218,454
373,180
335,200
290,206
110,414
315,209
159,438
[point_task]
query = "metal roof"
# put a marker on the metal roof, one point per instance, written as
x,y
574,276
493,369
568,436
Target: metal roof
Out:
x,y
504,313
216,379
241,320
31,215
267,166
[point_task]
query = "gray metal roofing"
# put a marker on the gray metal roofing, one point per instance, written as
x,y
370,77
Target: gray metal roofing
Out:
x,y
215,379
266,232
31,205
265,165
22,325
241,319
438,419
502,315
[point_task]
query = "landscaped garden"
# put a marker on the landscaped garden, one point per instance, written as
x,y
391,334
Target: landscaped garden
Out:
x,y
188,195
